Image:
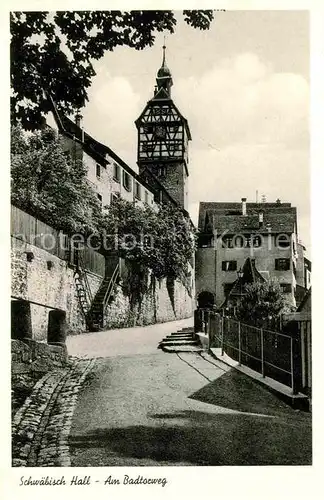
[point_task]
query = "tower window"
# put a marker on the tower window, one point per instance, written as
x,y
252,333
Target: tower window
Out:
x,y
116,173
98,170
127,181
99,197
148,147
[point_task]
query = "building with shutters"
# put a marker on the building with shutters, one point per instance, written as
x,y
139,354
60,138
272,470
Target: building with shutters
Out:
x,y
262,235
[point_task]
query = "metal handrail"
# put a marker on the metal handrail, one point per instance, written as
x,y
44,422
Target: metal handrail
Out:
x,y
111,285
261,331
85,277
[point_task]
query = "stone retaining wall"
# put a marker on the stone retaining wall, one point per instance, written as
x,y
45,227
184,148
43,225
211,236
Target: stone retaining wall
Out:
x,y
53,287
32,356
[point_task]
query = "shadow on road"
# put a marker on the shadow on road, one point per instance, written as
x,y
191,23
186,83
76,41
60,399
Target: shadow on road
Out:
x,y
201,438
238,392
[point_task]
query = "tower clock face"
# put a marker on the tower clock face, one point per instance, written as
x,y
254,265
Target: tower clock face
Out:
x,y
159,132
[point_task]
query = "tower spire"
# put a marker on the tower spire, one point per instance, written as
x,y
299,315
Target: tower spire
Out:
x,y
164,49
164,77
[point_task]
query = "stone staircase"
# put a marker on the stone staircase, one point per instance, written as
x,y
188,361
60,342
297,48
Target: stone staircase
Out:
x,y
103,296
181,341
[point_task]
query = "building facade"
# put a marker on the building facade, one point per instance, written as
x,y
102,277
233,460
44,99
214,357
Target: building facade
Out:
x,y
231,233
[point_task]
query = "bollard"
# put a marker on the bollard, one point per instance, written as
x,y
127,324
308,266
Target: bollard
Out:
x,y
56,330
21,324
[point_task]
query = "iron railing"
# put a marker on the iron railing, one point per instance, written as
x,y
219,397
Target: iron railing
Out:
x,y
273,354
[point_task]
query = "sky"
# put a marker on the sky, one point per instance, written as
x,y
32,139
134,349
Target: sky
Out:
x,y
243,87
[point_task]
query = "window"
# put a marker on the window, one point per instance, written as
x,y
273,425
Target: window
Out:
x,y
148,147
116,173
114,197
98,170
138,191
148,129
127,181
228,242
286,287
161,171
229,265
255,241
146,197
99,197
282,264
283,241
205,240
174,146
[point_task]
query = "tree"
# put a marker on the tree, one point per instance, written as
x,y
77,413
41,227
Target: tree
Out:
x,y
53,52
157,242
48,184
262,301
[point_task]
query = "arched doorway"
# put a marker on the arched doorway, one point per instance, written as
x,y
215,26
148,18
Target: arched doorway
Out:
x,y
205,300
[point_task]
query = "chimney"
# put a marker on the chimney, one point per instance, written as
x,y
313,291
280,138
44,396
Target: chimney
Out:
x,y
78,122
260,219
243,206
78,119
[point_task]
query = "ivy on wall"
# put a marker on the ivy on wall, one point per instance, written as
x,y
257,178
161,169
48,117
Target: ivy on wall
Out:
x,y
157,243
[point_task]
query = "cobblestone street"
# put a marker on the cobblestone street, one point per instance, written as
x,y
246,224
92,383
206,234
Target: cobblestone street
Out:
x,y
153,408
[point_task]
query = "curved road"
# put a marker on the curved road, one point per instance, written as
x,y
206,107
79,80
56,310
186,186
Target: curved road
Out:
x,y
143,407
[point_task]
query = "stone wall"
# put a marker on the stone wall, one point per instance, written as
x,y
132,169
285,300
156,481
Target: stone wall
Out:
x,y
56,288
53,287
156,307
32,356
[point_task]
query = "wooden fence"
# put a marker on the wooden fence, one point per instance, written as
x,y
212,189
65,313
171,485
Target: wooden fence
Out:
x,y
27,228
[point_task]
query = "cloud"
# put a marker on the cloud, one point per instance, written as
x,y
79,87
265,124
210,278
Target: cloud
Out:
x,y
109,116
249,125
243,100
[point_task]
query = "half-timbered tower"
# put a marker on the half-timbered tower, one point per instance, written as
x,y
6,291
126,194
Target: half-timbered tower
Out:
x,y
163,135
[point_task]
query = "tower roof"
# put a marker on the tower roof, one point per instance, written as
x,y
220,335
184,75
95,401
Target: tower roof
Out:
x,y
164,70
164,77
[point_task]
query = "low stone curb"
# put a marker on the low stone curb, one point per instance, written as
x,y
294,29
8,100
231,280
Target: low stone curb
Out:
x,y
41,427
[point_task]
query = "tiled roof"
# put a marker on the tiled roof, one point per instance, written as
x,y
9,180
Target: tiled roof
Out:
x,y
281,218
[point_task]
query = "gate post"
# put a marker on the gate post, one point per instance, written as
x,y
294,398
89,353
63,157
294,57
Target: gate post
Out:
x,y
21,324
56,331
239,342
222,337
262,353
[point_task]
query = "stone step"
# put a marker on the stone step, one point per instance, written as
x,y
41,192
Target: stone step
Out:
x,y
187,329
180,334
179,337
184,348
179,342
